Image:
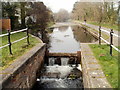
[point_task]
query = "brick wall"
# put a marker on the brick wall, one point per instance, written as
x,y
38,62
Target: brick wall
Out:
x,y
22,73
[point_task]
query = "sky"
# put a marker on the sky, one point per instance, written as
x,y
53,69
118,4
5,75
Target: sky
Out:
x,y
56,5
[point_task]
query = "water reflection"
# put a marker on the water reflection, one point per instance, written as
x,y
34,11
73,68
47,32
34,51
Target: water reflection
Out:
x,y
83,35
63,28
63,41
67,39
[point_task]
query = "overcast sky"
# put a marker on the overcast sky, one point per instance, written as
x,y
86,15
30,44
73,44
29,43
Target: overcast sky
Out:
x,y
56,5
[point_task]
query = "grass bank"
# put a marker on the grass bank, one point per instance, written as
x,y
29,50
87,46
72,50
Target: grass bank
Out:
x,y
108,63
107,25
18,48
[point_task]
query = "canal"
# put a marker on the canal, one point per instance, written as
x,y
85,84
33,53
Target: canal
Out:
x,y
61,72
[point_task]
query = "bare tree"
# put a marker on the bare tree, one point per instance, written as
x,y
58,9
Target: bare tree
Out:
x,y
40,16
104,12
62,15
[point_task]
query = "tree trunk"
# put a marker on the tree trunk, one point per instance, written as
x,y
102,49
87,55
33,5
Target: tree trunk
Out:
x,y
22,7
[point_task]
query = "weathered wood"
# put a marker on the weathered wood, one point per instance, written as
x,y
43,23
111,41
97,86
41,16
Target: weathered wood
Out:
x,y
68,55
62,55
46,57
78,57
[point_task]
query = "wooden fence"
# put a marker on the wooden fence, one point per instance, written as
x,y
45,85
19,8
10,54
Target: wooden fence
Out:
x,y
111,33
9,38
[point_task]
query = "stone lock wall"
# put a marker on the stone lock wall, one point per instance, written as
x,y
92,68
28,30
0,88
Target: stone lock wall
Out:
x,y
22,73
93,76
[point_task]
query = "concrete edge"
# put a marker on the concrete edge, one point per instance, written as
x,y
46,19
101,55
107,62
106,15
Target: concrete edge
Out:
x,y
93,76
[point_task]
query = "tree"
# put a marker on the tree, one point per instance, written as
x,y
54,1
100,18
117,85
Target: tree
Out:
x,y
100,12
23,13
118,14
62,15
40,15
10,10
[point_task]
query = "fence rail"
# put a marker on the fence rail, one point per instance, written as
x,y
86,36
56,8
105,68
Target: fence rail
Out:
x,y
3,35
109,33
19,39
111,39
4,46
9,38
104,40
115,35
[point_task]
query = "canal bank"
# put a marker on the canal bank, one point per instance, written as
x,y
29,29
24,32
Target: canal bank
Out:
x,y
23,72
93,76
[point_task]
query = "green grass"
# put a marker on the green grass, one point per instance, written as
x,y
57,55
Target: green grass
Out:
x,y
108,63
18,48
107,25
4,31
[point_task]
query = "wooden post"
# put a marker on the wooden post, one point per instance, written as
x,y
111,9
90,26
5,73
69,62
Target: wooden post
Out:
x,y
46,57
78,57
99,35
9,42
28,37
111,41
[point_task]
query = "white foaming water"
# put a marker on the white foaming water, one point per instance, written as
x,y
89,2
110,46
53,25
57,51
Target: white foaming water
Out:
x,y
63,70
64,61
51,61
58,83
79,67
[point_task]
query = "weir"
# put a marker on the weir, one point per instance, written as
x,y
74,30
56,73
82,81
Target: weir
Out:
x,y
61,70
73,58
62,63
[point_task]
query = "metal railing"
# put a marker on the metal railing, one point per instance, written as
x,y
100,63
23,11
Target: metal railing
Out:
x,y
9,38
111,33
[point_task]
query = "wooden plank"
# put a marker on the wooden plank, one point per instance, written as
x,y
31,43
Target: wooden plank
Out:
x,y
78,57
62,55
5,24
46,57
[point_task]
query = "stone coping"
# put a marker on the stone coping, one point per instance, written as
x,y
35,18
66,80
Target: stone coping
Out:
x,y
20,63
93,76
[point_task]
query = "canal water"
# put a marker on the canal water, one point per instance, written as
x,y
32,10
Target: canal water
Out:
x,y
68,39
64,72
